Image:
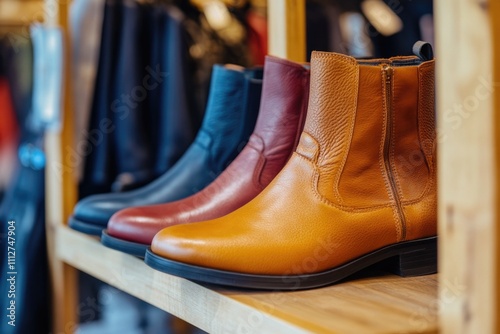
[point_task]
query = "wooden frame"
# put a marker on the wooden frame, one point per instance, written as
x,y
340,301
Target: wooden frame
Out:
x,y
61,187
287,29
469,147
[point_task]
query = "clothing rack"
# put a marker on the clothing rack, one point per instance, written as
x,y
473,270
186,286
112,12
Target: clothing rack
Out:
x,y
462,298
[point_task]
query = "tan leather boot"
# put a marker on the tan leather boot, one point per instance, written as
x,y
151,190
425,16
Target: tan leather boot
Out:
x,y
360,189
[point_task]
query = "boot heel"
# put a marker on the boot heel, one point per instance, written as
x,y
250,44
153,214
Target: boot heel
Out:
x,y
416,260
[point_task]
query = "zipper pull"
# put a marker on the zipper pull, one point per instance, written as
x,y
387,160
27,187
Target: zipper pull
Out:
x,y
388,73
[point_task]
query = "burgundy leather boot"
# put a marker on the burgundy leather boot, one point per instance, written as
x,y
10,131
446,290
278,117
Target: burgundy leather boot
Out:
x,y
281,118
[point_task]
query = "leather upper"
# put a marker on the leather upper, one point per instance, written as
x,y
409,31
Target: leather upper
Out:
x,y
229,120
363,177
279,125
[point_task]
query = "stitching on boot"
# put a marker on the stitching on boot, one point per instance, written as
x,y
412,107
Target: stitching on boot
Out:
x,y
382,163
349,141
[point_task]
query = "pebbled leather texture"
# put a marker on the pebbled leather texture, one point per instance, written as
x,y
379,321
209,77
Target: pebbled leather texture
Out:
x,y
229,120
332,202
280,122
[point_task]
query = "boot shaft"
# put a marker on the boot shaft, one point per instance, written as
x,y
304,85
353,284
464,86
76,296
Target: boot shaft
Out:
x,y
283,109
231,112
370,129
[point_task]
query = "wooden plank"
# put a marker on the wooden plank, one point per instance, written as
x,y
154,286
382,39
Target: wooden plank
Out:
x,y
468,170
63,277
494,11
60,188
378,304
287,29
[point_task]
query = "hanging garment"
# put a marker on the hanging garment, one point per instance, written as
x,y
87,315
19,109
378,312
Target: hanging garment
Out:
x,y
24,280
86,17
410,12
257,35
323,29
18,59
98,167
131,151
24,262
143,115
8,135
174,112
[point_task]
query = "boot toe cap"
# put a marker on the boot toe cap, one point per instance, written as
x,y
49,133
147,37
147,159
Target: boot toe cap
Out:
x,y
172,243
137,224
97,209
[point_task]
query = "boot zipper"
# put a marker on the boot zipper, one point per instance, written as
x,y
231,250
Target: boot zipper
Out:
x,y
388,71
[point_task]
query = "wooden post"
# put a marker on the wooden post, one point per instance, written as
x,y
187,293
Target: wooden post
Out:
x,y
60,187
287,29
495,40
468,147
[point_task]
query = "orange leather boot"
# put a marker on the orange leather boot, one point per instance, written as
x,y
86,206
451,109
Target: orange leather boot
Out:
x,y
360,188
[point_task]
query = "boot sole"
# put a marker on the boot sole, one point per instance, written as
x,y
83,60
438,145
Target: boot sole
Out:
x,y
129,247
410,258
87,228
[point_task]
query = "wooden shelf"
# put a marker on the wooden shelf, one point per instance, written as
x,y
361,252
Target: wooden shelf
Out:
x,y
365,304
15,12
